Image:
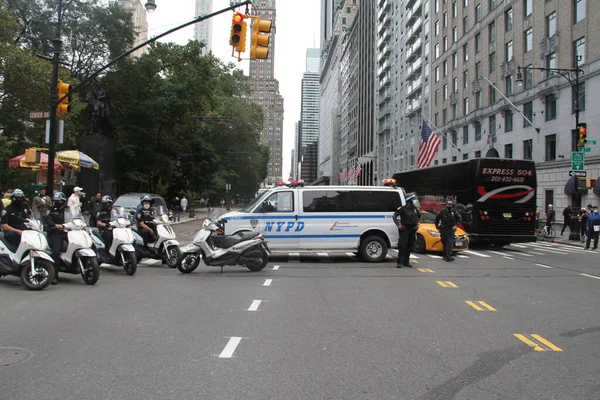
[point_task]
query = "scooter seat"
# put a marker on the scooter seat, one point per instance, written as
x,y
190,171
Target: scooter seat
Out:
x,y
239,237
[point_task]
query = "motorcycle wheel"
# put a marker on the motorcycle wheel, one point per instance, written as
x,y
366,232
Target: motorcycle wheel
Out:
x,y
40,281
188,263
130,263
265,260
171,256
91,270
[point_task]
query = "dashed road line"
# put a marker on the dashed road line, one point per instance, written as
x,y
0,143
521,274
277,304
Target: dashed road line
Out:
x,y
447,284
230,347
590,276
480,305
544,266
267,282
254,305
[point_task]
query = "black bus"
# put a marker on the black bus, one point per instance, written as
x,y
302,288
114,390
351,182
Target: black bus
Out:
x,y
495,197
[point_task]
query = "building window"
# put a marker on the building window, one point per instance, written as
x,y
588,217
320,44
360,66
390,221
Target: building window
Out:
x,y
445,67
478,154
466,105
465,53
466,156
508,20
437,51
477,13
508,150
444,142
478,43
578,10
508,85
453,158
454,61
444,116
492,93
445,43
492,4
528,112
508,51
550,147
455,34
581,97
528,149
445,91
435,118
528,7
436,28
436,162
455,85
492,62
466,134
478,70
550,107
478,99
528,40
492,125
466,3
445,20
465,79
550,63
508,121
454,138
444,160
436,6
454,10
436,97
477,131
492,31
528,77
579,52
454,110
551,25
437,74
465,25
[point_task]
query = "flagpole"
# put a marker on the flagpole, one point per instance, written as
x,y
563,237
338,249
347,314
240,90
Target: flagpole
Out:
x,y
441,133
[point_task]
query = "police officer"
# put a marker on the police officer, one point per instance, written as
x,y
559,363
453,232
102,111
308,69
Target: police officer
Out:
x,y
446,223
103,220
56,235
14,217
145,215
407,220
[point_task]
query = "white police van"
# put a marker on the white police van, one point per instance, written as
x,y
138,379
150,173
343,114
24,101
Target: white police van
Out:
x,y
324,218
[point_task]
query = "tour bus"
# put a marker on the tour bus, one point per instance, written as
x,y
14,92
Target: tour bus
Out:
x,y
350,218
495,197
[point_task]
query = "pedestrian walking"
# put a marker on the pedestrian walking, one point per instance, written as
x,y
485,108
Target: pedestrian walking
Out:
x,y
593,228
407,220
446,223
567,212
74,201
583,217
183,204
41,204
550,217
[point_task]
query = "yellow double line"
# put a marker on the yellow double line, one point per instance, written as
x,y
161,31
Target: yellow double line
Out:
x,y
447,284
480,305
549,346
426,270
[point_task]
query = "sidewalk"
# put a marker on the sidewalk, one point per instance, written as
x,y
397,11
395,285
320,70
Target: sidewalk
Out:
x,y
565,240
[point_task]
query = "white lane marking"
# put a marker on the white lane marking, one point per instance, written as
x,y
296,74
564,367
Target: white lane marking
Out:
x,y
499,253
254,305
508,258
434,256
476,253
590,276
414,257
349,254
544,266
518,245
461,256
230,347
275,267
267,282
294,257
533,252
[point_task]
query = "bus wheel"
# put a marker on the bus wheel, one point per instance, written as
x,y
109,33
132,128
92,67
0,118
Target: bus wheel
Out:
x,y
373,249
419,245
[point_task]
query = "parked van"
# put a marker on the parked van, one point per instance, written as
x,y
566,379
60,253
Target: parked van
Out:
x,y
351,218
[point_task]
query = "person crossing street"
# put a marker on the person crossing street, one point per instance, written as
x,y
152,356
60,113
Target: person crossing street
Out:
x,y
407,220
446,223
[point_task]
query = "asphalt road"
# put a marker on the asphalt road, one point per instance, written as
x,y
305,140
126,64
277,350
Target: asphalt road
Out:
x,y
513,323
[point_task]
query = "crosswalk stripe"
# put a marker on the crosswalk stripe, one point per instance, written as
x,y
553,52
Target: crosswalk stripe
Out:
x,y
534,252
462,256
413,256
518,245
434,256
499,253
476,253
564,247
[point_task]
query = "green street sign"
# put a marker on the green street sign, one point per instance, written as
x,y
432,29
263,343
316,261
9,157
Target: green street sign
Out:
x,y
586,149
577,161
591,142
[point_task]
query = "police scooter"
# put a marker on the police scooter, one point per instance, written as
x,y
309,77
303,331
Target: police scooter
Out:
x,y
29,260
245,248
77,255
165,247
121,251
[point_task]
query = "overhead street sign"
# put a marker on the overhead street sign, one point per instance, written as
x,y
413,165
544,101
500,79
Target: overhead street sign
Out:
x,y
39,114
578,173
577,161
591,142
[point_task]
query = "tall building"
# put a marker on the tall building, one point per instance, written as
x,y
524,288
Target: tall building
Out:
x,y
477,49
140,24
264,90
203,30
309,112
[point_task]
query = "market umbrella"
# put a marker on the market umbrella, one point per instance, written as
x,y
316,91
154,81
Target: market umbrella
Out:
x,y
76,159
19,162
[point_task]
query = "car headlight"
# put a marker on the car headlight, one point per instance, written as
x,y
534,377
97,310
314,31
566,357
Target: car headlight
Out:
x,y
434,233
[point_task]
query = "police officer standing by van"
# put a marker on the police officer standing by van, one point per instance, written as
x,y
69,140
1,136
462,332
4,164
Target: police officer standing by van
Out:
x,y
407,220
446,223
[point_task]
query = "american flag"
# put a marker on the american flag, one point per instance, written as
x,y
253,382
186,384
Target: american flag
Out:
x,y
350,174
343,174
357,169
428,146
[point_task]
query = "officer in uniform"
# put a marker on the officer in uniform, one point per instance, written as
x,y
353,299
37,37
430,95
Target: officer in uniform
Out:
x,y
14,216
145,215
446,223
407,220
56,236
103,221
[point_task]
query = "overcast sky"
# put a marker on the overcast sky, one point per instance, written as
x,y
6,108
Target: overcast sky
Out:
x,y
297,30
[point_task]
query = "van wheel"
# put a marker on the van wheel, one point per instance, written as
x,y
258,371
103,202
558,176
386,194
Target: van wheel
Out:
x,y
419,245
373,249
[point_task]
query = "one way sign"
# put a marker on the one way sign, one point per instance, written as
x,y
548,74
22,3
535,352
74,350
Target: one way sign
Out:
x,y
578,173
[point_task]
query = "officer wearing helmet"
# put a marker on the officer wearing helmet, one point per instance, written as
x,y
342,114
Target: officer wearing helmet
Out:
x,y
407,220
143,216
14,217
55,221
103,220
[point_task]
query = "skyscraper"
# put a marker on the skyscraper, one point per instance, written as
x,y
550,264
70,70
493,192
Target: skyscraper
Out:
x,y
309,114
140,24
203,30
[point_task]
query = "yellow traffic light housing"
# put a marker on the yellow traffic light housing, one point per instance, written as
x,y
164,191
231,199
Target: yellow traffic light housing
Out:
x,y
259,47
581,134
63,89
32,156
237,37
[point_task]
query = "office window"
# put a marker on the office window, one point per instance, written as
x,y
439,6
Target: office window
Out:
x,y
508,20
444,142
454,158
492,95
578,10
478,154
436,118
508,150
465,24
478,99
550,63
466,156
444,160
454,10
581,97
437,51
466,105
551,25
478,70
436,28
453,110
528,40
465,53
492,31
444,116
477,13
550,107
528,77
477,130
455,85
454,61
492,4
445,67
436,162
454,138
579,52
466,3
492,62
528,149
436,96
465,79
550,148
478,43
455,34
508,121
508,51
445,20
465,134
508,85
528,7
446,92
437,74
445,43
436,6
492,125
528,112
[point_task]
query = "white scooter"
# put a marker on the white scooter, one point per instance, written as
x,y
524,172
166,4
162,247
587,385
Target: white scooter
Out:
x,y
29,260
165,247
245,248
78,257
121,250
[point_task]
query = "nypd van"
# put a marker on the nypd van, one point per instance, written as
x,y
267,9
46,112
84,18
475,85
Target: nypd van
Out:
x,y
350,218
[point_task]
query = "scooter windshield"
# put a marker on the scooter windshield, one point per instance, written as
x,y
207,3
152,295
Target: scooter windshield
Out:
x,y
160,214
76,219
119,216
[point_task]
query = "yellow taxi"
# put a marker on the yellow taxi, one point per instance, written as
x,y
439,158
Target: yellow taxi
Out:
x,y
428,237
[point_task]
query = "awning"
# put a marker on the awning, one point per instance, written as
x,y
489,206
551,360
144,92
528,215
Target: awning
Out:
x,y
571,187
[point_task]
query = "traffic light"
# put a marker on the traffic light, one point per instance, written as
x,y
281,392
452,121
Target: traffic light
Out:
x,y
259,47
237,38
581,134
32,156
63,107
